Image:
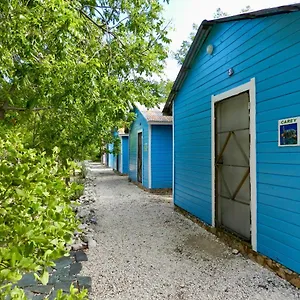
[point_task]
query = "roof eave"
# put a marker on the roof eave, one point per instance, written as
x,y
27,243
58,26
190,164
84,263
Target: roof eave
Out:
x,y
160,123
201,36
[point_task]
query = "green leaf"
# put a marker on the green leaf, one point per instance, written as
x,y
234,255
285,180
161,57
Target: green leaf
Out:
x,y
44,278
20,192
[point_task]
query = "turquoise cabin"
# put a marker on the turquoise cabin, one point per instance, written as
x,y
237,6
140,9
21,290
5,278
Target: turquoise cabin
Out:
x,y
110,156
150,148
122,159
119,162
236,115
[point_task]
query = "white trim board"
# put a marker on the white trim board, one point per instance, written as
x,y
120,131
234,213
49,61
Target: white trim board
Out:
x,y
149,156
160,123
247,87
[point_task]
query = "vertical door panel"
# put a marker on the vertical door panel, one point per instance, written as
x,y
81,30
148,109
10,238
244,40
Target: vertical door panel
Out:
x,y
232,165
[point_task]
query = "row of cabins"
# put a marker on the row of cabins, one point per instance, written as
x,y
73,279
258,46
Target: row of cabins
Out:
x,y
235,106
146,153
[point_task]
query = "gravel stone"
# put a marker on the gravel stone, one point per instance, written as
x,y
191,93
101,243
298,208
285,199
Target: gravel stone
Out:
x,y
146,250
63,262
78,246
82,226
92,243
75,268
64,285
84,282
80,256
27,280
235,251
42,289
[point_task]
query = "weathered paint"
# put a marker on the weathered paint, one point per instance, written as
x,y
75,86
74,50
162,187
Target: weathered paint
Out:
x,y
161,156
266,49
139,124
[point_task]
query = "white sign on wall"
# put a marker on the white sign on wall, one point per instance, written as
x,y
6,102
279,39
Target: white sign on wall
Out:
x,y
288,132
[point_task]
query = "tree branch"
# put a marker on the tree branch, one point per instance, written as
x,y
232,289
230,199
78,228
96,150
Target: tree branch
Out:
x,y
151,43
103,27
6,108
13,108
111,14
120,22
97,10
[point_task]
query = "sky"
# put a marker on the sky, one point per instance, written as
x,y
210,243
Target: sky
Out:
x,y
183,13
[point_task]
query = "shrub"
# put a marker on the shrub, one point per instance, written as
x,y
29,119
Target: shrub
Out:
x,y
36,217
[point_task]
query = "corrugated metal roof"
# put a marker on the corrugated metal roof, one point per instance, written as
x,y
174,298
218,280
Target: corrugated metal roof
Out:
x,y
154,115
203,33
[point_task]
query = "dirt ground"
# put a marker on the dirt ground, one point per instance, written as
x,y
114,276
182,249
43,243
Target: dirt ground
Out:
x,y
146,250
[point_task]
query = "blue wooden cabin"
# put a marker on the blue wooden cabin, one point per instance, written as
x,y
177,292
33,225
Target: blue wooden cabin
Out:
x,y
150,148
110,156
236,118
122,160
119,162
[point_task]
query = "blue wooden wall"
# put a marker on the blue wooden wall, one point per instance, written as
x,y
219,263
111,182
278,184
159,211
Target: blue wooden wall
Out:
x,y
139,123
125,154
267,49
111,157
161,156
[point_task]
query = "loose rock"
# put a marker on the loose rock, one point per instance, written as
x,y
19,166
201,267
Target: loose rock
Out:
x,y
235,251
92,243
175,253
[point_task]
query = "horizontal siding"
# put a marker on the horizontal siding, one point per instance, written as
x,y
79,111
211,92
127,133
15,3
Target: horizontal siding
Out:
x,y
266,147
125,154
111,157
267,49
139,123
272,251
161,156
280,180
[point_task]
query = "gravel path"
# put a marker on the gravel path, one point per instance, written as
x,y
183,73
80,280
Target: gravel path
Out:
x,y
145,250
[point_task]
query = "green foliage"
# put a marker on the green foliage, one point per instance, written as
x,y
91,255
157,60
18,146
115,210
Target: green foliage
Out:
x,y
185,46
18,294
220,14
181,53
164,89
246,9
70,71
73,295
36,219
78,65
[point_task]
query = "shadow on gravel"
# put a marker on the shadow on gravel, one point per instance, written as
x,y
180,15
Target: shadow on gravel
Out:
x,y
199,247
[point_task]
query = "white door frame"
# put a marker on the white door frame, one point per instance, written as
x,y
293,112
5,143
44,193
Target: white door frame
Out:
x,y
250,87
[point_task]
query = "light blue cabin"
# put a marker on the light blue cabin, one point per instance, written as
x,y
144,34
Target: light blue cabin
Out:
x,y
110,156
122,159
119,161
150,148
236,109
